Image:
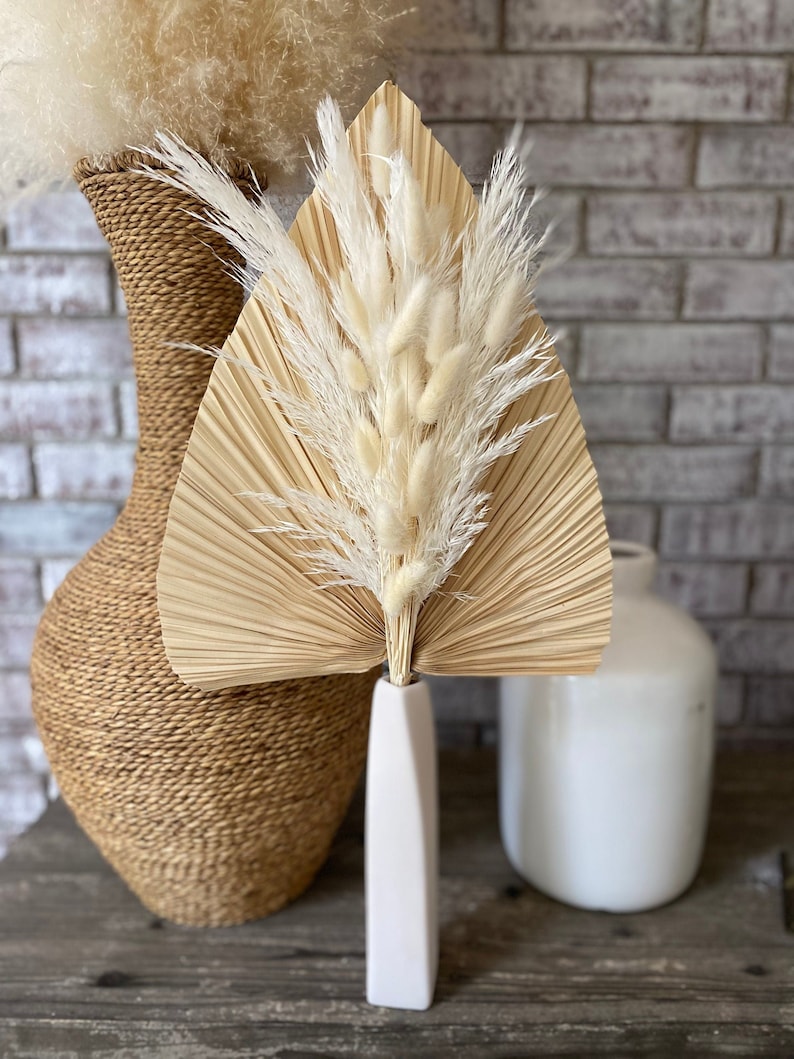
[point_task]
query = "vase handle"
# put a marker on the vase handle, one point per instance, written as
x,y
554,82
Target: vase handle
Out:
x,y
401,848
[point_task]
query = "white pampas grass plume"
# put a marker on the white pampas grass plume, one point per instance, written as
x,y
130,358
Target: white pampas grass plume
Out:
x,y
230,77
406,326
422,477
381,148
441,386
403,585
440,326
367,447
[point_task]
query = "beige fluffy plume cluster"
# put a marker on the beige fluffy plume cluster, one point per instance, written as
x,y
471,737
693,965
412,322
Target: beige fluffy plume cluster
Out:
x,y
229,77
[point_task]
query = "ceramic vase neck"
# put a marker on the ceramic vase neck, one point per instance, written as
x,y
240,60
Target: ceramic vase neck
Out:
x,y
634,568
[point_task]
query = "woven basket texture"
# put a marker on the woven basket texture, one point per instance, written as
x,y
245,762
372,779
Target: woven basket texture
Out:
x,y
217,807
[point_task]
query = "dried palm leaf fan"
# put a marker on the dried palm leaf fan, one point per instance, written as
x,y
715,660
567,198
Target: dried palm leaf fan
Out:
x,y
388,462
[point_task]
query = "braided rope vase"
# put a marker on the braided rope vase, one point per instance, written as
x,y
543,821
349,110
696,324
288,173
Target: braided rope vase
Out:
x,y
214,807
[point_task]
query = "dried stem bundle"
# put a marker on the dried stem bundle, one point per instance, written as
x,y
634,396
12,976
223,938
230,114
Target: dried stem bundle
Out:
x,y
397,360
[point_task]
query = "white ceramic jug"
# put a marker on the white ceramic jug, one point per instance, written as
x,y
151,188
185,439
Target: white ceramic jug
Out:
x,y
605,780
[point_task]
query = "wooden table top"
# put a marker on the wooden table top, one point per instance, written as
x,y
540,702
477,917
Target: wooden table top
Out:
x,y
86,971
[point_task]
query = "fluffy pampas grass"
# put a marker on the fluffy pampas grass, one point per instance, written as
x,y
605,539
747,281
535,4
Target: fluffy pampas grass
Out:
x,y
230,77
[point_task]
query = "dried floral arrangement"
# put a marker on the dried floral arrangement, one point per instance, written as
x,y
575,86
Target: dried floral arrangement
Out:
x,y
231,77
388,460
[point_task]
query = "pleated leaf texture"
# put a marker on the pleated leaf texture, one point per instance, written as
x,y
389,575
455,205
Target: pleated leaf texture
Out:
x,y
481,552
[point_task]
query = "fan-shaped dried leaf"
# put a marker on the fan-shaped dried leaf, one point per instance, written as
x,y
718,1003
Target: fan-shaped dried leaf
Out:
x,y
531,592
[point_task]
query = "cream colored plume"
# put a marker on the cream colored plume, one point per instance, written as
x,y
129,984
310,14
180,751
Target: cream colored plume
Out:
x,y
388,459
230,77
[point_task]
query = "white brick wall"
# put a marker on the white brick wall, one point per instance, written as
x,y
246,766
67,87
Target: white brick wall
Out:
x,y
666,128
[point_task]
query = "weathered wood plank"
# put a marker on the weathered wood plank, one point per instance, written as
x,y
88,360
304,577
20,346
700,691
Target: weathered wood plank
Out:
x,y
85,971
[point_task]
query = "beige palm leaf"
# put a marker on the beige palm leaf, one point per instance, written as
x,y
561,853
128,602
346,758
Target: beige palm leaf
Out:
x,y
531,593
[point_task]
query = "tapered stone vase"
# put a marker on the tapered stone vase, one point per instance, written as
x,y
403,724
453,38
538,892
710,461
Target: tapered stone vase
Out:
x,y
214,807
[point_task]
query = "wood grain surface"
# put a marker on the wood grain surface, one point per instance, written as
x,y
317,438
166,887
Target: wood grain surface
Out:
x,y
86,971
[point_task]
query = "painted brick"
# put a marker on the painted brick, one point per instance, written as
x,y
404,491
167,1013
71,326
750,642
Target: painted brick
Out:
x,y
737,157
48,528
730,701
588,289
602,25
53,571
739,290
770,701
477,87
19,585
781,353
55,221
84,472
7,359
759,25
565,337
786,240
287,203
773,590
59,348
684,223
38,763
13,758
560,213
14,696
23,800
615,413
661,472
652,156
732,413
777,472
472,144
705,589
757,646
688,89
16,638
56,409
465,700
457,25
631,522
15,477
728,531
671,352
128,403
47,283
119,301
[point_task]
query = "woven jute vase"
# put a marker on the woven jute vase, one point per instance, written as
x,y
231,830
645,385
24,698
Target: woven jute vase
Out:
x,y
214,807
